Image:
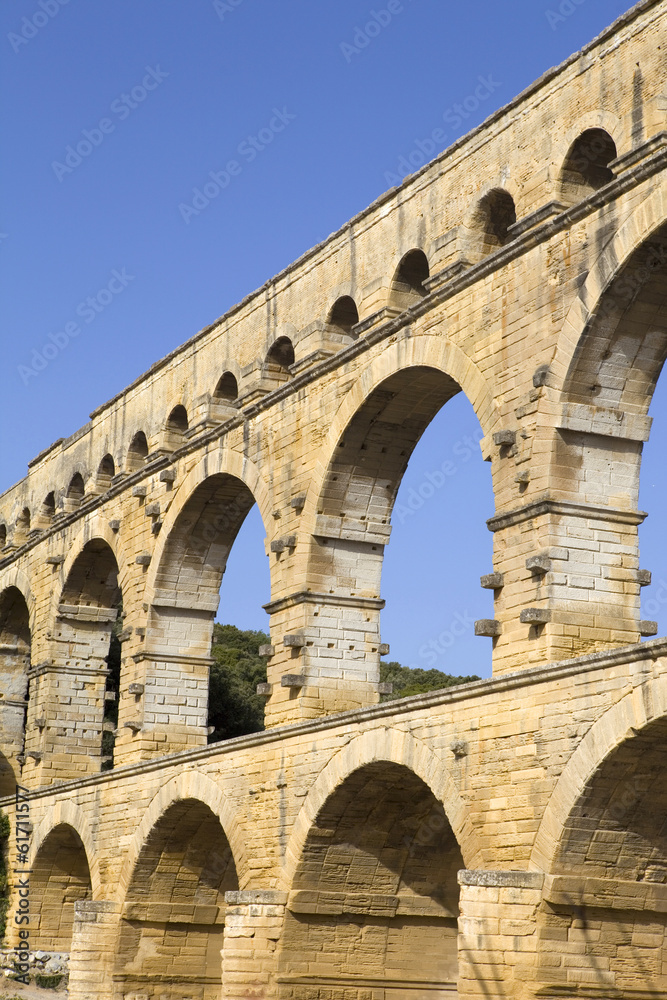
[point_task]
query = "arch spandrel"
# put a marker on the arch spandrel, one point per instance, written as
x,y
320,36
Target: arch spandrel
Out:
x,y
198,787
383,745
646,704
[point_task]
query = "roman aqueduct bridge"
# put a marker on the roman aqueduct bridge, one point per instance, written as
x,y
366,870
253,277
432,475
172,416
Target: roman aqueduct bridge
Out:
x,y
503,839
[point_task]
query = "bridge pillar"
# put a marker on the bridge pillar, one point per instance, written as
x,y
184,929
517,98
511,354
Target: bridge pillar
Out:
x,y
253,926
64,727
325,655
570,582
163,701
498,934
93,949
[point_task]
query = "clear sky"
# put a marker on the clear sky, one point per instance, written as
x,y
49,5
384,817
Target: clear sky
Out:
x,y
212,74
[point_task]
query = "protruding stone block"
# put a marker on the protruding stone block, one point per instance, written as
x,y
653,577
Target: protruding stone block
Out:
x,y
383,649
266,650
644,577
143,559
139,491
488,626
136,689
540,564
504,438
385,687
293,680
492,581
647,627
535,616
294,641
264,690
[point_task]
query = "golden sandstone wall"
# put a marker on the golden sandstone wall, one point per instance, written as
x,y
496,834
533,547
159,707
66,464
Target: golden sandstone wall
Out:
x,y
503,840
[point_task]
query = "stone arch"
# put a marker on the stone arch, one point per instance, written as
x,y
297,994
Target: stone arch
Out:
x,y
216,462
599,119
632,234
14,576
65,813
586,165
344,314
635,711
15,662
488,222
394,747
194,785
173,917
94,529
374,883
407,283
603,841
424,350
60,877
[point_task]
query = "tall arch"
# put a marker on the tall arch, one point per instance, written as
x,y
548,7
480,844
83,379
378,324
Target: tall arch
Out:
x,y
183,588
334,619
70,689
15,643
173,915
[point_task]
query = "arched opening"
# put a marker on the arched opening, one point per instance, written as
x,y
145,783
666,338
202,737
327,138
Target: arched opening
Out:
x,y
137,452
607,393
407,286
227,388
491,223
75,493
607,912
48,510
105,472
375,897
3,535
436,525
173,920
88,622
586,166
60,878
178,419
22,527
15,642
193,564
344,314
280,356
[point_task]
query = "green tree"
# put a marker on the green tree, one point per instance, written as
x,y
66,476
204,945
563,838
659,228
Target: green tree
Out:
x,y
415,680
234,707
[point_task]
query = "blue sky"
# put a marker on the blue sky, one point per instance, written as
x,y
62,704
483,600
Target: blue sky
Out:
x,y
212,75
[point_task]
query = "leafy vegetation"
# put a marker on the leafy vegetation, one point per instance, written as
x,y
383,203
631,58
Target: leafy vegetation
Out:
x,y
235,708
415,680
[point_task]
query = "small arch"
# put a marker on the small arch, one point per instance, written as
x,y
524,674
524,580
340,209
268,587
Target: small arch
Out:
x,y
106,471
344,314
586,167
178,419
3,535
48,510
407,286
137,452
22,529
227,388
75,492
281,355
491,222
